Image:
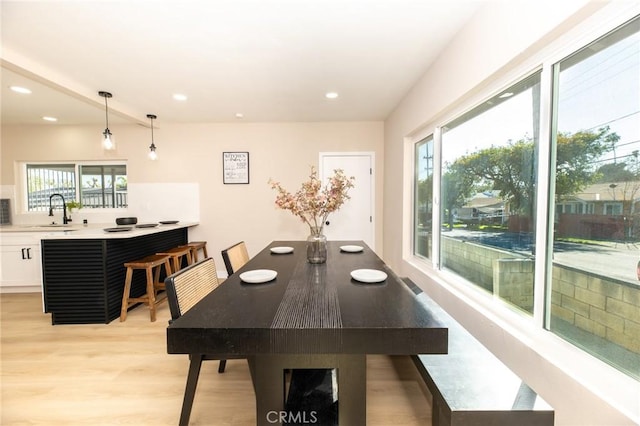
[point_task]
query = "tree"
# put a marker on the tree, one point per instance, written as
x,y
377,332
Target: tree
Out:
x,y
614,172
575,158
511,169
424,198
625,181
457,186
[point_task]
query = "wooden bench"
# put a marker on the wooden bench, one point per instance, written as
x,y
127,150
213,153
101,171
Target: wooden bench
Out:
x,y
471,387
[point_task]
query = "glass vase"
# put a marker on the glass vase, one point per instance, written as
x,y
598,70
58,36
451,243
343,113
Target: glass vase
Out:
x,y
316,246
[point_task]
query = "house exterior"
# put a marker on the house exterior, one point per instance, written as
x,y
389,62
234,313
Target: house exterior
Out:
x,y
600,211
483,208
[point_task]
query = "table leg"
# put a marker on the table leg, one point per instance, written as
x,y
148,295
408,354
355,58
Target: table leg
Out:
x,y
268,373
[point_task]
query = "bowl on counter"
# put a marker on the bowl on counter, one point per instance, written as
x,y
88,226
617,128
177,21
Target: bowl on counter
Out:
x,y
126,220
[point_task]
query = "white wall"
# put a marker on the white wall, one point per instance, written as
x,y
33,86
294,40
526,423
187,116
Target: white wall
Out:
x,y
190,157
500,44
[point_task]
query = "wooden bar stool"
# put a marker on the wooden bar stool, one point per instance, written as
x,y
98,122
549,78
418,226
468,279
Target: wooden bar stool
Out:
x,y
176,254
151,265
195,247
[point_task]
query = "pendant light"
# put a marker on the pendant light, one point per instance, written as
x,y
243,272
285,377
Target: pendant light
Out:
x,y
152,147
107,142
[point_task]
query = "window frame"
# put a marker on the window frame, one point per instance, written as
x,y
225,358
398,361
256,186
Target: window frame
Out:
x,y
22,196
615,206
429,138
491,99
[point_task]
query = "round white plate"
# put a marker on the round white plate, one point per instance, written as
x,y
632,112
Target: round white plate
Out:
x,y
258,276
281,250
368,275
352,249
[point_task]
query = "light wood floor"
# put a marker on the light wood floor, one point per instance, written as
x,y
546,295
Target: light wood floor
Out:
x,y
121,374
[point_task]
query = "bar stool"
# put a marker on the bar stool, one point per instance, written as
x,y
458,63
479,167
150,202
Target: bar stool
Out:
x,y
195,246
176,254
151,265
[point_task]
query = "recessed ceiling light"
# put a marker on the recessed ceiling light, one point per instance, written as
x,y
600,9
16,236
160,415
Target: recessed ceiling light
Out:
x,y
47,118
19,89
180,97
331,95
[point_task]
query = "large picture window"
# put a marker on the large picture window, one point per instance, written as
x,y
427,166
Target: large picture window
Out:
x,y
488,193
93,186
489,222
595,294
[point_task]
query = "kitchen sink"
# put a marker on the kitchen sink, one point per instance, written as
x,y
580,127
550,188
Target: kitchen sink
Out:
x,y
52,227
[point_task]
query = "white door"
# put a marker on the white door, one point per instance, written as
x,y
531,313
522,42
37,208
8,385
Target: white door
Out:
x,y
354,220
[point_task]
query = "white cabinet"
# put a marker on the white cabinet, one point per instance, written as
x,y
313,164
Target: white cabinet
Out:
x,y
20,262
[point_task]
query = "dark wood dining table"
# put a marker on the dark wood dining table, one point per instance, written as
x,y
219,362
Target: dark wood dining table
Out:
x,y
309,316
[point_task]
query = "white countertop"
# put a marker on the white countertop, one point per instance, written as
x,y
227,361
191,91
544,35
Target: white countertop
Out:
x,y
90,231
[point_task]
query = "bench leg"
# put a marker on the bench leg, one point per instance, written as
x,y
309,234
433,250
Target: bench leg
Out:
x,y
438,415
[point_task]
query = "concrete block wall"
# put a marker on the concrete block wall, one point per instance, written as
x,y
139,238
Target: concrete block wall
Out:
x,y
603,306
513,281
599,305
472,261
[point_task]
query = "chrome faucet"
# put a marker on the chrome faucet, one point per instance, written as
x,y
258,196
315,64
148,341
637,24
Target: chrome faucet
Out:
x,y
64,207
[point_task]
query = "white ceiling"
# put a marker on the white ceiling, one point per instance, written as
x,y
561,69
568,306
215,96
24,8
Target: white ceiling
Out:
x,y
271,60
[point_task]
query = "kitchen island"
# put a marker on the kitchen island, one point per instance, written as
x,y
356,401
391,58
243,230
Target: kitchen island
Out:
x,y
83,269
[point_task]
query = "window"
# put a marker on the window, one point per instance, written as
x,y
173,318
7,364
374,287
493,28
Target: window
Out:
x,y
94,186
44,180
423,195
103,186
488,193
595,296
489,178
612,209
575,208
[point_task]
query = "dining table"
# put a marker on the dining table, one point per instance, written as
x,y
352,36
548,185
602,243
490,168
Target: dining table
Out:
x,y
303,315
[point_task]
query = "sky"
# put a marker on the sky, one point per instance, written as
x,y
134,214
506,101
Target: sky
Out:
x,y
603,89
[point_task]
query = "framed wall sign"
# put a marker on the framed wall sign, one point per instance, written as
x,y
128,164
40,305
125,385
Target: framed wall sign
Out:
x,y
235,167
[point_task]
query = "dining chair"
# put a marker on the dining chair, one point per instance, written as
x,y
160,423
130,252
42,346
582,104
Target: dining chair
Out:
x,y
184,289
235,257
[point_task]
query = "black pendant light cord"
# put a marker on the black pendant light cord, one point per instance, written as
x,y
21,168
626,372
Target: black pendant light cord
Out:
x,y
106,111
152,117
152,148
106,95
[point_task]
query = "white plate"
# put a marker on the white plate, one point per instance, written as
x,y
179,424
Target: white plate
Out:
x,y
281,250
368,275
258,276
352,249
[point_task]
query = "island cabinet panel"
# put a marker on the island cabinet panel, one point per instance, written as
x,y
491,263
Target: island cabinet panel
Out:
x,y
83,279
